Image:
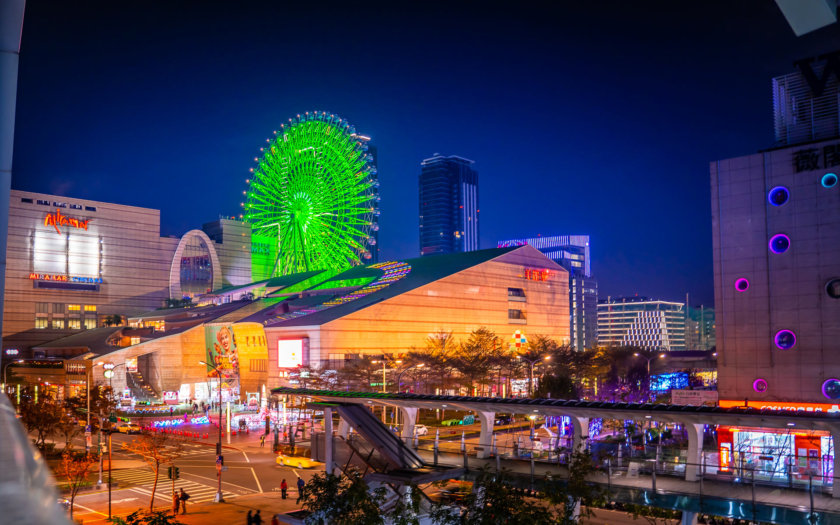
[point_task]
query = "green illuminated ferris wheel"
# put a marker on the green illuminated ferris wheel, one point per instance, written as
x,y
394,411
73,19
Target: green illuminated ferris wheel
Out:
x,y
315,189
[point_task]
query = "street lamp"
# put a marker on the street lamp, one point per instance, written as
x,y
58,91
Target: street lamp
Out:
x,y
109,374
649,359
219,498
532,363
399,375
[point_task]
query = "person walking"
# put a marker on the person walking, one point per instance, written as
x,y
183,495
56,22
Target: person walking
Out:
x,y
262,440
176,503
283,488
250,518
275,520
257,518
184,497
300,485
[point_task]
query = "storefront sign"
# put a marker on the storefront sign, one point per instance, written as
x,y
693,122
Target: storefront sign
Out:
x,y
131,364
289,353
64,278
694,397
781,405
533,274
57,219
170,397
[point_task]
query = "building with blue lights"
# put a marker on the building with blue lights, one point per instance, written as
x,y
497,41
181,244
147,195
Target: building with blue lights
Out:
x,y
448,205
643,322
572,253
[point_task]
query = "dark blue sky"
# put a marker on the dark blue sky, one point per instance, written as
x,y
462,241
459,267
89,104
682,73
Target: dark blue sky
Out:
x,y
598,119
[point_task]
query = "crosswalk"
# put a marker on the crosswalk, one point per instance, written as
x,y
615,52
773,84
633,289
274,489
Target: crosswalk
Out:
x,y
143,480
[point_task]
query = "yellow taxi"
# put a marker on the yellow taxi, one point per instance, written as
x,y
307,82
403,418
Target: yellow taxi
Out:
x,y
297,461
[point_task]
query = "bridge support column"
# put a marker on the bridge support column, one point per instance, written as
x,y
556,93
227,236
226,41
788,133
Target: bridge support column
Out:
x,y
688,518
329,447
581,432
485,438
409,420
695,451
835,435
343,428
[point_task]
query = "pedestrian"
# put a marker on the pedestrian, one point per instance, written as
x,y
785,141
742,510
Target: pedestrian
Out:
x,y
176,503
257,518
283,488
301,485
250,518
262,440
275,520
184,497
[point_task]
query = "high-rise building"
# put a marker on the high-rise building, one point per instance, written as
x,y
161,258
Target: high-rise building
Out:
x,y
700,328
448,205
640,321
572,253
776,238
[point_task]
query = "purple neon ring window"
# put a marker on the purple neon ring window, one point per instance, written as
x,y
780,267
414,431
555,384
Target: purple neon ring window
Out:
x,y
760,385
831,388
742,284
779,243
785,339
778,196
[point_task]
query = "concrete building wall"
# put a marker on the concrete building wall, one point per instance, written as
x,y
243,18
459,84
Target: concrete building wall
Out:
x,y
786,291
233,245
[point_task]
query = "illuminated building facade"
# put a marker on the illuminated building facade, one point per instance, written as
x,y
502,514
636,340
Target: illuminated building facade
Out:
x,y
572,253
639,321
776,233
448,205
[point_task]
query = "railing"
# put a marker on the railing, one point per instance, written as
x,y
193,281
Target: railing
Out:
x,y
27,490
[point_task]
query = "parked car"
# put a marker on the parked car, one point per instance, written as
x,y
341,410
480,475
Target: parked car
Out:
x,y
421,430
297,461
504,420
128,428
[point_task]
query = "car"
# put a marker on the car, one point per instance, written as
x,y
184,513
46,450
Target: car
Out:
x,y
128,428
297,461
504,420
420,430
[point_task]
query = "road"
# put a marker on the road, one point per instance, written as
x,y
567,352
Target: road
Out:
x,y
249,469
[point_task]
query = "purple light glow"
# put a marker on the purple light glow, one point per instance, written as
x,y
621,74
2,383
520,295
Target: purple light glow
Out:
x,y
831,388
760,385
778,196
785,339
779,243
742,285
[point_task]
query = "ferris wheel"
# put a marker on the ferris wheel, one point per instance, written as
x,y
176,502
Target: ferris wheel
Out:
x,y
315,189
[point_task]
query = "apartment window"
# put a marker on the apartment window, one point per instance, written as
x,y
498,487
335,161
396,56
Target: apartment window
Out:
x,y
58,308
258,365
27,201
516,294
58,324
516,316
76,206
90,308
90,324
74,307
43,203
40,323
134,341
42,308
90,208
74,324
60,204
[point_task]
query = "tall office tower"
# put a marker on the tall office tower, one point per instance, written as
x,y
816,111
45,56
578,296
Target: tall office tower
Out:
x,y
643,322
448,205
776,239
699,328
572,253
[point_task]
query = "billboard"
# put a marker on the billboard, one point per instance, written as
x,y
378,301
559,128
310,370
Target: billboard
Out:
x,y
289,353
221,352
131,364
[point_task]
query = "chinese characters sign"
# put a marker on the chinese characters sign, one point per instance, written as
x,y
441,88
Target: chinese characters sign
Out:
x,y
533,274
814,158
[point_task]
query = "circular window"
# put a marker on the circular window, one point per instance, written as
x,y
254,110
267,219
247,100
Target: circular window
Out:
x,y
829,180
778,196
760,385
831,388
832,288
742,285
785,339
779,243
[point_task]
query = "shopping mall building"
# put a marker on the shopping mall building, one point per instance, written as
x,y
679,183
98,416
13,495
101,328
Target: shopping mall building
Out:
x,y
75,264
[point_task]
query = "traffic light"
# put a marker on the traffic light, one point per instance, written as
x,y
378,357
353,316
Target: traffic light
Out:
x,y
173,472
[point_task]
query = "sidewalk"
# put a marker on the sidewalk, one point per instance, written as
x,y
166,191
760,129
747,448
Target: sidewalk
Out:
x,y
236,509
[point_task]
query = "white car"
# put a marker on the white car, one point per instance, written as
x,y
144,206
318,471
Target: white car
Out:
x,y
420,430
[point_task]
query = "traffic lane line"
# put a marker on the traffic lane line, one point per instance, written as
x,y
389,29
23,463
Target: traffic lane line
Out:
x,y
250,490
256,479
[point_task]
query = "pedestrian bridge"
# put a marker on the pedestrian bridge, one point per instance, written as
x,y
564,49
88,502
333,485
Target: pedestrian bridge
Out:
x,y
740,493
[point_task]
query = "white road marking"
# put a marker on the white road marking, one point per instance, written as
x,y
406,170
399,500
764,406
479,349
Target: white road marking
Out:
x,y
256,479
123,500
75,505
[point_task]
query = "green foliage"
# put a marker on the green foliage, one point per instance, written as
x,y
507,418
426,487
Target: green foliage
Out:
x,y
652,515
492,501
43,418
407,507
342,500
576,494
147,518
560,386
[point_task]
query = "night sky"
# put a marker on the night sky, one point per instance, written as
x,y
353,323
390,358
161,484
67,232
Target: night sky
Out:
x,y
596,119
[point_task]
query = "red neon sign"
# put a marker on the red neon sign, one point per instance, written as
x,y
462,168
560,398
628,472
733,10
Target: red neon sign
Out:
x,y
537,275
57,219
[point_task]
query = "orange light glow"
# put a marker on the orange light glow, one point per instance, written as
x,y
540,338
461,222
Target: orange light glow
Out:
x,y
57,219
781,405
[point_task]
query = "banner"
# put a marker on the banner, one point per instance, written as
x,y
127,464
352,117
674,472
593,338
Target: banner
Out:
x,y
221,350
131,364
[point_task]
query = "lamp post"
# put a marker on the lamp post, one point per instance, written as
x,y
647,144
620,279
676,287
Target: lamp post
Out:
x,y
649,359
109,374
384,381
532,363
399,375
219,498
87,424
6,368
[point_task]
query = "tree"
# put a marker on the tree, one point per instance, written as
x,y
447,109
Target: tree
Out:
x,y
475,355
360,373
150,518
653,515
68,427
113,320
342,500
75,469
156,449
575,497
557,386
42,417
493,500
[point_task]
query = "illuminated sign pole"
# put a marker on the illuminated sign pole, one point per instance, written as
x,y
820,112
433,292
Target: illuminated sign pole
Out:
x,y
219,498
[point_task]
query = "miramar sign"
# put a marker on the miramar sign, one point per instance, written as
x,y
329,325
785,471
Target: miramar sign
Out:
x,y
64,278
57,219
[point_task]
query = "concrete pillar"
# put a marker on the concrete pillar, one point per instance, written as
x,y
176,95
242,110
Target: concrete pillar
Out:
x,y
688,518
409,420
835,435
581,432
695,450
328,440
485,439
343,428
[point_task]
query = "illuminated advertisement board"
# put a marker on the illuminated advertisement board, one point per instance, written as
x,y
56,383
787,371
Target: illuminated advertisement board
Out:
x,y
221,352
170,397
289,353
131,364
